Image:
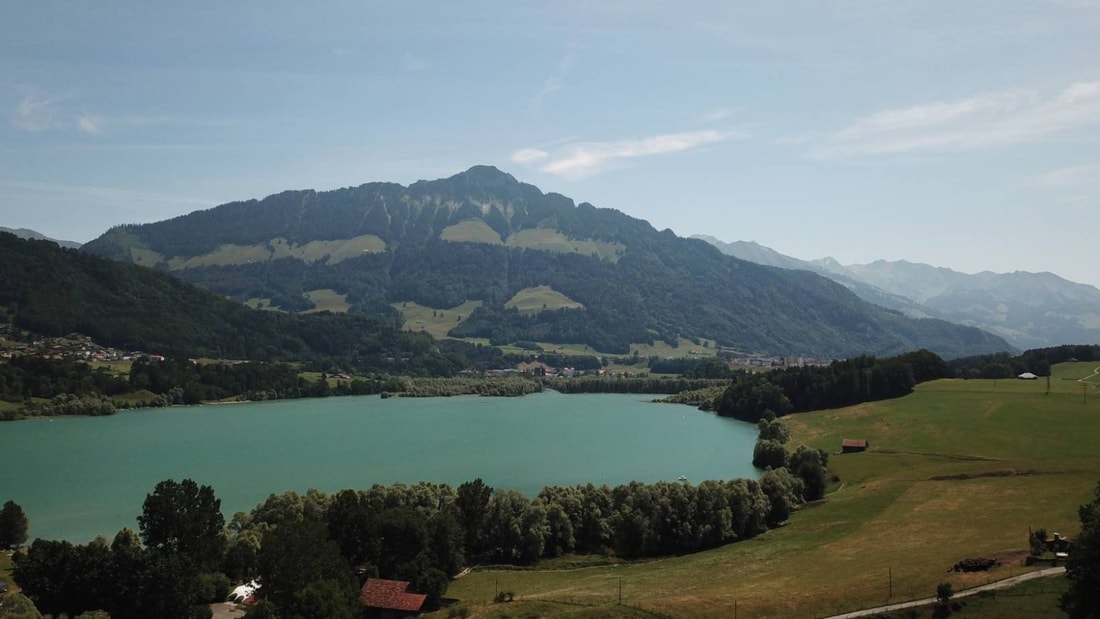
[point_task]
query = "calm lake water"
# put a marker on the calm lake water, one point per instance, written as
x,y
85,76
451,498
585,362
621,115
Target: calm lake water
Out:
x,y
81,477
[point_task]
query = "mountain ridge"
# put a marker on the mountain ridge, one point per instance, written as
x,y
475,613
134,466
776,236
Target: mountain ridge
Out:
x,y
483,235
27,233
1030,310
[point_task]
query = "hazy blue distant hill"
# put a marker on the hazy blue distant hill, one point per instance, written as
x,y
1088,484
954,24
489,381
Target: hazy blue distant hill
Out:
x,y
1030,310
25,233
530,266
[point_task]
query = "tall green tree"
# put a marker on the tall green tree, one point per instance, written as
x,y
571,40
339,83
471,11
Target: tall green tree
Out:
x,y
298,565
1082,601
13,525
184,519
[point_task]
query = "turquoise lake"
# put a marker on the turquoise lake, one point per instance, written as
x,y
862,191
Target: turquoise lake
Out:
x,y
81,477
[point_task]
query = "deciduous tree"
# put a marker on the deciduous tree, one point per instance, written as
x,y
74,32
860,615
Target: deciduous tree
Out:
x,y
184,519
13,525
1082,601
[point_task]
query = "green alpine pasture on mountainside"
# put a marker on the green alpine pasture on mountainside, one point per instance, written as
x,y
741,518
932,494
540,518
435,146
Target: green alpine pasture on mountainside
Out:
x,y
483,237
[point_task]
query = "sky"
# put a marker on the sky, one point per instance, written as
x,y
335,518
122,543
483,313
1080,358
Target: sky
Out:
x,y
958,134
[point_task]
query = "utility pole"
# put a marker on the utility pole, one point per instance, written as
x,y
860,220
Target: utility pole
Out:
x,y
735,609
890,575
620,591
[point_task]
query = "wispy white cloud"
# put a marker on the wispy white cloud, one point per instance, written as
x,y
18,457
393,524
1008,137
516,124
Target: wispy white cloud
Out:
x,y
717,114
36,112
90,124
528,156
1088,173
991,119
556,82
582,159
413,64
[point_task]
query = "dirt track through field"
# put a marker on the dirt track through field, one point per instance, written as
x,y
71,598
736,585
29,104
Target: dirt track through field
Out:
x,y
1000,584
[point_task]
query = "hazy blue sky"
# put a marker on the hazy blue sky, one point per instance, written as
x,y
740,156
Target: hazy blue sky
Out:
x,y
963,134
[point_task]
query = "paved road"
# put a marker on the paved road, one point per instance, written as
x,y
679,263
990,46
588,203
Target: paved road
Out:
x,y
1000,584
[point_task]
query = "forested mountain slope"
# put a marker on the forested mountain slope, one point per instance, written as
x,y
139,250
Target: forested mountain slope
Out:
x,y
53,291
481,235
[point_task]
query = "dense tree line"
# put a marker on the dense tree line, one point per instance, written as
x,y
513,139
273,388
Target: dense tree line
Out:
x,y
1005,365
841,383
172,570
24,377
312,551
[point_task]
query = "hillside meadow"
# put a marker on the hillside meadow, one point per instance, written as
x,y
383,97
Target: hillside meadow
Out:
x,y
958,469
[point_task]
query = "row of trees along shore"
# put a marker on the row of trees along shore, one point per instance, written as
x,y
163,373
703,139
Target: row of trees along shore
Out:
x,y
70,387
312,551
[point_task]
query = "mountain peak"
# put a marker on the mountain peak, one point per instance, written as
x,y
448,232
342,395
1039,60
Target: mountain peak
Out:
x,y
486,176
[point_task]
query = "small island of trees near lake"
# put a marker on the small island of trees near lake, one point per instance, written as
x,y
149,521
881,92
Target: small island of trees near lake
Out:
x,y
915,489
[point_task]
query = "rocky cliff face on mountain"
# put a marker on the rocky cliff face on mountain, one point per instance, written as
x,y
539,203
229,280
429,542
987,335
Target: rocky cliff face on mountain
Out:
x,y
1030,310
481,245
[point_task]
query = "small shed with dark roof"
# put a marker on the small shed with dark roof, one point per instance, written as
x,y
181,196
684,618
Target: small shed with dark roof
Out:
x,y
852,445
388,599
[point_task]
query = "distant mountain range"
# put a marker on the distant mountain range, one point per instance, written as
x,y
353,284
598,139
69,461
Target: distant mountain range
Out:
x,y
1030,310
512,264
25,233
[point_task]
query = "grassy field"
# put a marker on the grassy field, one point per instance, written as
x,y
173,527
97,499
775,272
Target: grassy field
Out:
x,y
1035,599
314,251
433,322
546,239
328,300
118,368
540,298
959,469
471,231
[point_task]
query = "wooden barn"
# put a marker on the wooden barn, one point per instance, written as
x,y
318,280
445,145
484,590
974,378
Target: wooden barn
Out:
x,y
853,445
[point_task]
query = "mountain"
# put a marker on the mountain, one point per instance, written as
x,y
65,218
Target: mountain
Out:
x,y
24,233
53,291
514,264
1030,310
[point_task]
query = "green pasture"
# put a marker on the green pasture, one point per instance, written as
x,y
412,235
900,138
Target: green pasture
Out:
x,y
432,321
333,251
547,239
263,303
959,469
540,299
471,231
118,368
328,300
684,348
1034,599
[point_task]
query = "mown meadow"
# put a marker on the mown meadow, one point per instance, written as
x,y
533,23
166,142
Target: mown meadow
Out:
x,y
959,469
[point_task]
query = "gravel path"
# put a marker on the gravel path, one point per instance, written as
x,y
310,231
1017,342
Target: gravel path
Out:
x,y
1000,584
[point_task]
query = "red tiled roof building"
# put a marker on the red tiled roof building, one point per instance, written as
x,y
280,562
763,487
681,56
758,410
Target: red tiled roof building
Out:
x,y
388,598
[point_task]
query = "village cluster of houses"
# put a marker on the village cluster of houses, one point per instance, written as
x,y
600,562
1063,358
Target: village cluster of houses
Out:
x,y
74,346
